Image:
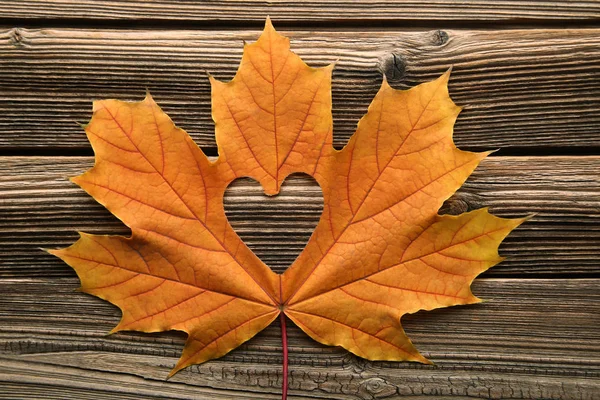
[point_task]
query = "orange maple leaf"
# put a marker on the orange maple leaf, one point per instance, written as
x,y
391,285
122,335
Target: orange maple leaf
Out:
x,y
380,249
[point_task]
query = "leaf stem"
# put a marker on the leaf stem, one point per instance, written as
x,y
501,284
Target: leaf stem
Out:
x,y
284,387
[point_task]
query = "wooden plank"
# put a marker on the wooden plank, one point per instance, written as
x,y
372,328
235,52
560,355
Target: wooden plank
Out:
x,y
535,339
323,11
41,208
527,89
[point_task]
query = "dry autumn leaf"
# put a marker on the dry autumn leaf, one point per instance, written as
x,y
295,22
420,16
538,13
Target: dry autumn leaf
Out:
x,y
380,249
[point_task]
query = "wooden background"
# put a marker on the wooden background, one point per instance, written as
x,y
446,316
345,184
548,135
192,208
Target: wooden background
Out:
x,y
528,73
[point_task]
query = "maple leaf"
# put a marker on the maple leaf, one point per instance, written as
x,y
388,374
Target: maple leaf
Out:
x,y
380,249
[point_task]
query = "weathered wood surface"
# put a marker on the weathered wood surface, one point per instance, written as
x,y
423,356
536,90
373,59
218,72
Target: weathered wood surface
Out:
x,y
523,89
300,11
41,208
536,338
534,92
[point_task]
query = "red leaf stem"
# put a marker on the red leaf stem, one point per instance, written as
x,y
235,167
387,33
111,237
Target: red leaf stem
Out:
x,y
284,387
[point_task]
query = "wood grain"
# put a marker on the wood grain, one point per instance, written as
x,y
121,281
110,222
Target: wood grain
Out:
x,y
534,92
299,11
41,208
535,339
531,90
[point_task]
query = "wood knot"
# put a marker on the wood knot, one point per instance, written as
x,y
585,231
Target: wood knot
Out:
x,y
393,67
461,203
16,38
377,388
440,37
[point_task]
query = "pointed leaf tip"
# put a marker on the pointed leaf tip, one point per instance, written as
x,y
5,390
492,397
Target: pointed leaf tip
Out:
x,y
449,70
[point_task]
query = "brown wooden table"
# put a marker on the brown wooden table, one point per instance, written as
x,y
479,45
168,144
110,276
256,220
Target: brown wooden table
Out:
x,y
529,75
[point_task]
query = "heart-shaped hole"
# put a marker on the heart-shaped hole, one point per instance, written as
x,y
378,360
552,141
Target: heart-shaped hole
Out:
x,y
275,228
